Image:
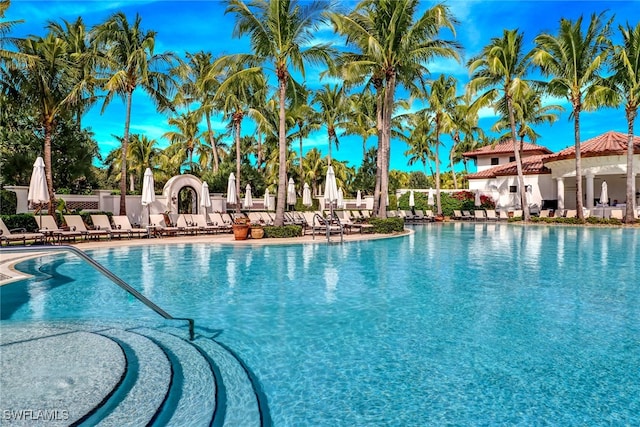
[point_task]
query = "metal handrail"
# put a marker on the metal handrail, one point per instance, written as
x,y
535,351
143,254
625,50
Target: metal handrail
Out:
x,y
117,280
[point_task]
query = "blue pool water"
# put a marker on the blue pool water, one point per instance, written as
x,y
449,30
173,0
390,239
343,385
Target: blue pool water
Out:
x,y
458,324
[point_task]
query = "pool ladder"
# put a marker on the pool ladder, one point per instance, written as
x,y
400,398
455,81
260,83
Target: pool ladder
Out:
x,y
114,278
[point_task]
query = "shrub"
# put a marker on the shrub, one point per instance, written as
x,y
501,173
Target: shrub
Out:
x,y
387,226
8,202
24,220
282,232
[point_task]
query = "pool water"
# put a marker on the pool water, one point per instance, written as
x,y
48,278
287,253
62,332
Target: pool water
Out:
x,y
457,324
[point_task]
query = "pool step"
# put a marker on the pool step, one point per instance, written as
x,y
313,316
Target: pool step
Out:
x,y
158,376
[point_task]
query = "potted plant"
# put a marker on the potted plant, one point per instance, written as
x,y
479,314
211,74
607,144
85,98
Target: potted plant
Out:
x,y
241,228
257,230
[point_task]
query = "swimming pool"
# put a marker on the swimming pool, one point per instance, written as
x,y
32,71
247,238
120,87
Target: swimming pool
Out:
x,y
460,324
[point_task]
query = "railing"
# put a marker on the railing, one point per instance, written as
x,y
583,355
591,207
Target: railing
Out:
x,y
115,279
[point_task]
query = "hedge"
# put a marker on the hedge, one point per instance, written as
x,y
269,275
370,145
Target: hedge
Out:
x,y
271,231
387,226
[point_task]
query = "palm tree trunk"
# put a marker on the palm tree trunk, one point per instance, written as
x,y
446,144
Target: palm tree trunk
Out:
x,y
301,173
516,153
282,145
389,95
631,197
259,155
214,147
379,126
453,172
238,153
437,162
47,164
125,148
576,125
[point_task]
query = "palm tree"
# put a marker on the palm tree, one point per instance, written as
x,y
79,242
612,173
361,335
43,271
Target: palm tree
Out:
x,y
201,82
625,63
574,60
394,49
313,167
442,101
239,93
420,141
49,81
143,153
305,118
465,128
279,30
501,68
361,113
131,63
187,137
77,39
528,111
331,103
5,28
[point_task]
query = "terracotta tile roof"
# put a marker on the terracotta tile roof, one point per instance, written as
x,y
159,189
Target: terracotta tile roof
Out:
x,y
507,147
532,165
608,144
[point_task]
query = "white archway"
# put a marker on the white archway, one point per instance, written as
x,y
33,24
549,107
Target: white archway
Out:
x,y
173,187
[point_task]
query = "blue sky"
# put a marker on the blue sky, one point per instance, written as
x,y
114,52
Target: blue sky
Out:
x,y
191,26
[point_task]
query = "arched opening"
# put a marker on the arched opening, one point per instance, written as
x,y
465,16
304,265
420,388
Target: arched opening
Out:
x,y
187,200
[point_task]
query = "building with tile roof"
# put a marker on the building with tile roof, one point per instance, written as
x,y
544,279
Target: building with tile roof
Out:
x,y
550,177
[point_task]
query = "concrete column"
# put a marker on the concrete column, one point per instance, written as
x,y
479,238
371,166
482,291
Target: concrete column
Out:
x,y
560,190
589,181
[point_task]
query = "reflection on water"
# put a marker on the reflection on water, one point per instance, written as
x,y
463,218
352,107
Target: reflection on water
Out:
x,y
459,324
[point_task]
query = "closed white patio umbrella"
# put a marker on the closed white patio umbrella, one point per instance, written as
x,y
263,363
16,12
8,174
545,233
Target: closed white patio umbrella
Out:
x,y
412,199
330,189
232,197
38,190
248,200
267,200
340,202
148,192
358,199
430,198
604,194
306,195
604,197
291,192
478,202
205,199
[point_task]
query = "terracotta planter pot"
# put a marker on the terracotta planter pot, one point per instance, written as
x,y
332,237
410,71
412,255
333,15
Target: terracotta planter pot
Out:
x,y
240,231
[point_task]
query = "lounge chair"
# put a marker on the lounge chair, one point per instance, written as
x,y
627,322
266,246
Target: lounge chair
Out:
x,y
326,226
491,215
186,224
503,215
101,222
121,222
479,215
466,215
201,222
571,213
18,234
456,215
349,225
76,223
160,226
216,219
429,216
544,213
366,214
50,228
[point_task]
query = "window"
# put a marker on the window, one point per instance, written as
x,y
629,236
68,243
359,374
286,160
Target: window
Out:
x,y
494,161
513,189
512,159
